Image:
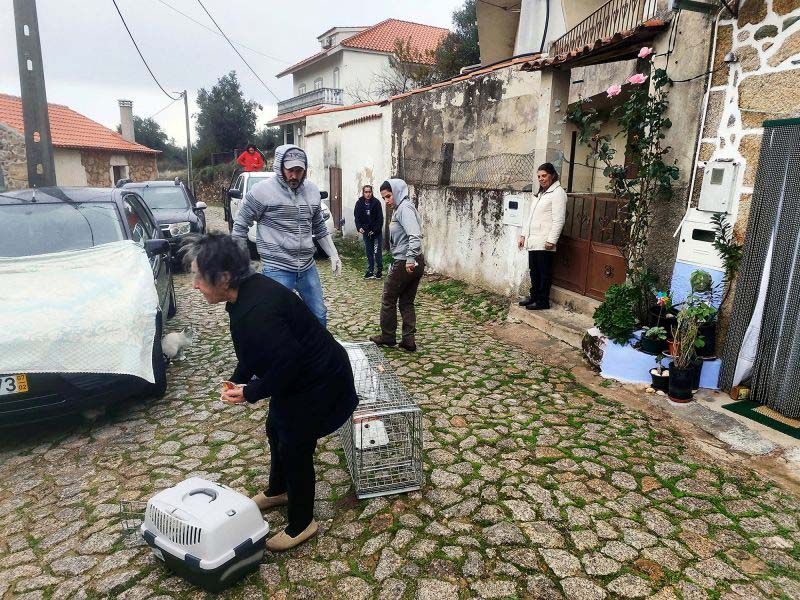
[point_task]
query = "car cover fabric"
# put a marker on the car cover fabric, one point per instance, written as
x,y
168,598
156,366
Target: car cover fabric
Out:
x,y
81,311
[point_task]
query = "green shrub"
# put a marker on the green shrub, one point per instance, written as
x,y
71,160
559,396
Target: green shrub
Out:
x,y
615,317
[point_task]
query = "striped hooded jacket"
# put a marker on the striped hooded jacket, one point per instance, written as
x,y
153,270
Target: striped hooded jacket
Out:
x,y
286,219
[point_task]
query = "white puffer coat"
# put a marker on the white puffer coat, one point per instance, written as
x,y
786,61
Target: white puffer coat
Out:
x,y
546,218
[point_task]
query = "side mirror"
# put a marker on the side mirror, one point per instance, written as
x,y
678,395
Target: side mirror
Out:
x,y
234,193
323,195
202,205
156,247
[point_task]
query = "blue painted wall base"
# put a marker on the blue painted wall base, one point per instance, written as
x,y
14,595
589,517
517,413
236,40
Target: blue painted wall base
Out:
x,y
629,365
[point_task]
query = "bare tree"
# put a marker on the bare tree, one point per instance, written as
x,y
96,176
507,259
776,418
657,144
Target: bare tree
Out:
x,y
410,68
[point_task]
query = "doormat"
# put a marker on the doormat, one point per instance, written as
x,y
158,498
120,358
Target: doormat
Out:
x,y
765,416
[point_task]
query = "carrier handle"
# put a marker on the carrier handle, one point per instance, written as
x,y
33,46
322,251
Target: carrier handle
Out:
x,y
206,491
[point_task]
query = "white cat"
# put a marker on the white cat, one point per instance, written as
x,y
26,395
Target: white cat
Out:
x,y
174,343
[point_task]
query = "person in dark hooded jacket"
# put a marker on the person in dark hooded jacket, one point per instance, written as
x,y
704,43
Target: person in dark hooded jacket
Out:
x,y
368,215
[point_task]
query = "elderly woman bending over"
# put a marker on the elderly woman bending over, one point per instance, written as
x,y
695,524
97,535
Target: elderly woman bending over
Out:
x,y
284,354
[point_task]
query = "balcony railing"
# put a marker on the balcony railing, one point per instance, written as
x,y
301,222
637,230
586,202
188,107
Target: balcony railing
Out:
x,y
613,17
309,99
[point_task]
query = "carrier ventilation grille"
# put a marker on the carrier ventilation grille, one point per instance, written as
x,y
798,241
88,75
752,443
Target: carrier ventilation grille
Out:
x,y
174,529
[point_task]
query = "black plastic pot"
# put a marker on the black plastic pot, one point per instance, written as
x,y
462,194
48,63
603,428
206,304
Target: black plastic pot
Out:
x,y
680,383
697,369
709,333
660,382
652,346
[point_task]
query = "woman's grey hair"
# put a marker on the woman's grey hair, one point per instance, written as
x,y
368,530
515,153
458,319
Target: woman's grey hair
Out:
x,y
217,254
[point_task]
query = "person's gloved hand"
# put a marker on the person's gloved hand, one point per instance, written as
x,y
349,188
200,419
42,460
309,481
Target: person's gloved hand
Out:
x,y
336,265
327,246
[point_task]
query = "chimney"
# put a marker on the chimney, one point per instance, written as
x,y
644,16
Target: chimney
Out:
x,y
126,120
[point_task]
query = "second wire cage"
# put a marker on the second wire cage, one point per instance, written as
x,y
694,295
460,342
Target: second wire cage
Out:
x,y
382,441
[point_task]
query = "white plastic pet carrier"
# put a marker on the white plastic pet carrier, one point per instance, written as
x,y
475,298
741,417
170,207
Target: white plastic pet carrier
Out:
x,y
382,441
205,532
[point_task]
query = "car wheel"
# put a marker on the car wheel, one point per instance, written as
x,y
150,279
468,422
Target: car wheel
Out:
x,y
173,301
159,388
253,250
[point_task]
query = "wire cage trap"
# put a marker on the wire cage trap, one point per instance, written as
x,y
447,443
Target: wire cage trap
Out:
x,y
382,441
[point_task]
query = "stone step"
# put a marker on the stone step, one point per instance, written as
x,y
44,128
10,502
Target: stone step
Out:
x,y
557,322
573,301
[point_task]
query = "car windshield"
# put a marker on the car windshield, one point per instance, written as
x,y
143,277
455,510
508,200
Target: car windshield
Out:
x,y
163,197
251,181
29,229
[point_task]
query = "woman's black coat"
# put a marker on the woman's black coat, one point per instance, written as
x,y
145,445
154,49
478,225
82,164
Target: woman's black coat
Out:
x,y
294,359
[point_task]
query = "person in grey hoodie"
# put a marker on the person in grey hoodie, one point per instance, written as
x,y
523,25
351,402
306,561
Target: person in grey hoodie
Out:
x,y
287,210
408,265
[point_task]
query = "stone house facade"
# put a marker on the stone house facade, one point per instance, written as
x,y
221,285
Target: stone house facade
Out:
x,y
85,152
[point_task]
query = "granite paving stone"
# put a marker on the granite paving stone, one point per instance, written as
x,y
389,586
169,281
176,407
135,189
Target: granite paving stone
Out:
x,y
535,487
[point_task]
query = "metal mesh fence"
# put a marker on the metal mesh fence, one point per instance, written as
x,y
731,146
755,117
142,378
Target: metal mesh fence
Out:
x,y
501,171
382,441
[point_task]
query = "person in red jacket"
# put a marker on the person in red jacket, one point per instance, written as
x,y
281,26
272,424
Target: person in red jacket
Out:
x,y
251,159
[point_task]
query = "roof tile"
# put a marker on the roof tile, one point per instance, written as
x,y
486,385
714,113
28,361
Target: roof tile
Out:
x,y
69,129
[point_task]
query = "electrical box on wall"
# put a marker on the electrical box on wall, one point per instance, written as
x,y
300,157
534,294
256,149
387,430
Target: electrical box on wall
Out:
x,y
696,246
719,182
512,210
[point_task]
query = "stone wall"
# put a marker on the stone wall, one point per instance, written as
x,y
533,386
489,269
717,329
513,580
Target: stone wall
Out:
x,y
13,163
763,84
97,165
142,167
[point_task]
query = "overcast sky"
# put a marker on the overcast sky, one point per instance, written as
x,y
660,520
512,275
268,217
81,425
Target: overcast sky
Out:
x,y
89,61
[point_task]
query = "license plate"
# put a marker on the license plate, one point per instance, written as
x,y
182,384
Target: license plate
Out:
x,y
13,384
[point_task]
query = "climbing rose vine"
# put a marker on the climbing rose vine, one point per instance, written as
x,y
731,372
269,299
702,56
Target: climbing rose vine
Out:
x,y
647,175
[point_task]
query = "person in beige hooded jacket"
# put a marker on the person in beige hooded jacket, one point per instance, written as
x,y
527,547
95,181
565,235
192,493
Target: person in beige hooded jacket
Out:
x,y
540,235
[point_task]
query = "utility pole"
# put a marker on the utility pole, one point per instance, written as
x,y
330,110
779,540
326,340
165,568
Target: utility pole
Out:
x,y
188,142
38,143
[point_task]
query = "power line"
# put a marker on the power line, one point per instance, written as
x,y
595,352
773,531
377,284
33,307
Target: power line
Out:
x,y
237,52
207,28
170,96
158,112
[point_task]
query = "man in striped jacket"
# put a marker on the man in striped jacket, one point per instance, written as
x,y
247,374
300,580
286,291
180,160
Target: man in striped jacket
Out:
x,y
287,210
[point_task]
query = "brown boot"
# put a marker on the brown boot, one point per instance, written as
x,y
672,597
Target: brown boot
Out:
x,y
265,502
408,345
382,341
283,541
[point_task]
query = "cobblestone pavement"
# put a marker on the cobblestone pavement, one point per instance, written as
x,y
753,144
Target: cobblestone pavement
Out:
x,y
536,487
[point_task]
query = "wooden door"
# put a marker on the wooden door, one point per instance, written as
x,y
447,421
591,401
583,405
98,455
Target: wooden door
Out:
x,y
588,260
335,196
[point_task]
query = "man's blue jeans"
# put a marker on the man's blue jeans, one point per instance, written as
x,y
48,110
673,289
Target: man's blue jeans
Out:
x,y
374,251
307,285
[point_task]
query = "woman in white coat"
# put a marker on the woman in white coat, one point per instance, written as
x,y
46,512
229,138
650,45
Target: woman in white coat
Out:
x,y
540,235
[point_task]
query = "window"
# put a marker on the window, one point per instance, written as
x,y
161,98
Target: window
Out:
x,y
118,172
301,89
318,83
336,78
137,221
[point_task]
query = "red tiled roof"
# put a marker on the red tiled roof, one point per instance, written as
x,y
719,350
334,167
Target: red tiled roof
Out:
x,y
383,37
294,116
423,39
69,129
301,64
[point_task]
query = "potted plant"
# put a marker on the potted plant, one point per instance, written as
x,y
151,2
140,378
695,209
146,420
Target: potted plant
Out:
x,y
681,368
614,317
662,310
654,340
660,375
701,304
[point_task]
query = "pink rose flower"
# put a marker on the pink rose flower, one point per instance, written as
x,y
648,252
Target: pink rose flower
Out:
x,y
637,79
614,90
645,52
